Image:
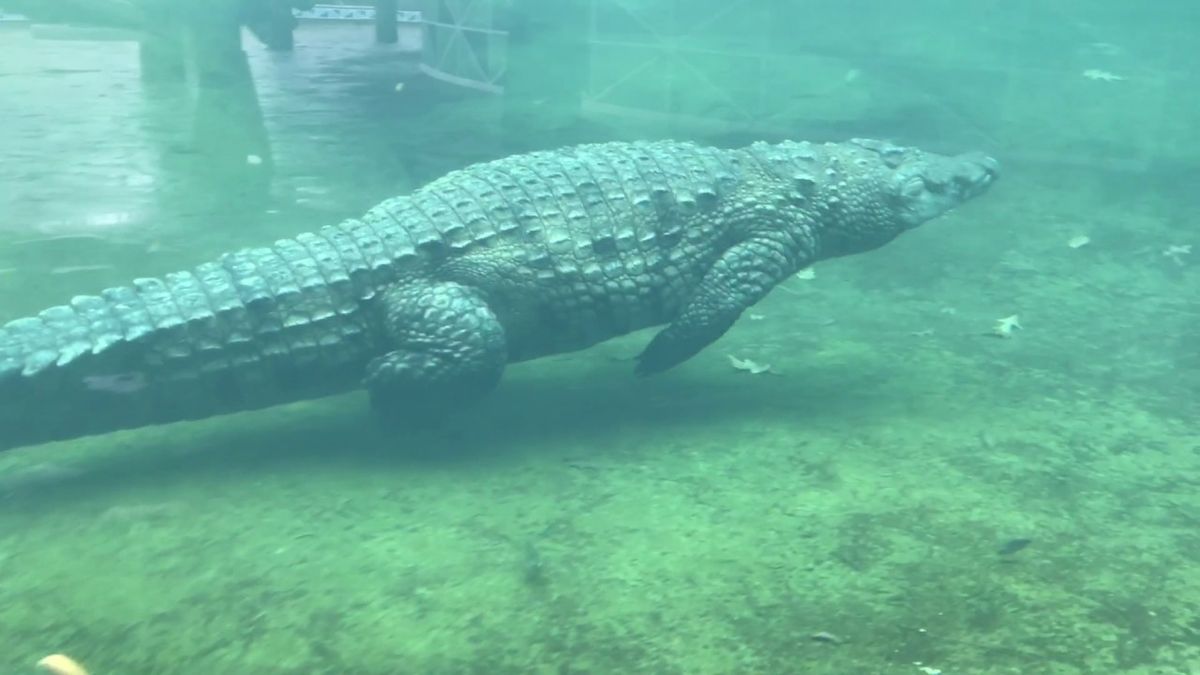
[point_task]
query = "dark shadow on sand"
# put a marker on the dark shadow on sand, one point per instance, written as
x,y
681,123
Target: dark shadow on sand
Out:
x,y
593,407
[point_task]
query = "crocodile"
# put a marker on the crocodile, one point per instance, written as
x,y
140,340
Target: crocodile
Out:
x,y
426,298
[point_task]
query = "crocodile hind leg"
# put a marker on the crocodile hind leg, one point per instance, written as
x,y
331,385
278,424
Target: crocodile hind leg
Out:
x,y
447,348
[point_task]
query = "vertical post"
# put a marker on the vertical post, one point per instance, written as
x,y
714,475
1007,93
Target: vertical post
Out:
x,y
385,22
548,60
216,54
161,48
228,130
161,56
272,23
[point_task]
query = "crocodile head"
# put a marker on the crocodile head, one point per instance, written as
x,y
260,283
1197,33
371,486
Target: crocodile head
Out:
x,y
925,185
870,191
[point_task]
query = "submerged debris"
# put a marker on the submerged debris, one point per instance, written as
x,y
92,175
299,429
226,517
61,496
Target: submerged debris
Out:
x,y
1101,75
1005,327
746,365
60,664
1079,241
826,637
533,565
1177,251
1013,546
807,273
1105,48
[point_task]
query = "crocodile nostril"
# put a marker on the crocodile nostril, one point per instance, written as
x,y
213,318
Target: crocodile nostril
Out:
x,y
989,168
981,173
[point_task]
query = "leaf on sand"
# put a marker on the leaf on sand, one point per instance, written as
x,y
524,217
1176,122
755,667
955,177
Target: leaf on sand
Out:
x,y
752,367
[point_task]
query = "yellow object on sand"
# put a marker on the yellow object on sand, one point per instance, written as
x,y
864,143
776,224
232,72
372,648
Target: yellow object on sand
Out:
x,y
59,664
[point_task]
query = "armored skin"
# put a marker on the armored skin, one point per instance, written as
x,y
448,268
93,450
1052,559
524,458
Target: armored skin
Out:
x,y
427,297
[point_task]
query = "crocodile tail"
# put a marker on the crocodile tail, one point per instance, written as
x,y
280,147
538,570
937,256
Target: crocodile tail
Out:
x,y
127,357
255,328
131,356
60,375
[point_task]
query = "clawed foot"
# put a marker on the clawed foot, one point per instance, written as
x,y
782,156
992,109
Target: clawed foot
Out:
x,y
668,349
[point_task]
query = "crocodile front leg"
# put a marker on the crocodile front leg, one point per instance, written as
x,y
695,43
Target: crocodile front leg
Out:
x,y
742,276
448,348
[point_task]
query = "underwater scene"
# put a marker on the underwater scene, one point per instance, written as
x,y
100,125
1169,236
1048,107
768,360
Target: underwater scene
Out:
x,y
599,336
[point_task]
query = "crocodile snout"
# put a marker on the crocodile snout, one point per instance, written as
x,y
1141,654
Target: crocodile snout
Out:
x,y
976,173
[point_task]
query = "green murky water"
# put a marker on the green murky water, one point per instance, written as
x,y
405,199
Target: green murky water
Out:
x,y
584,521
